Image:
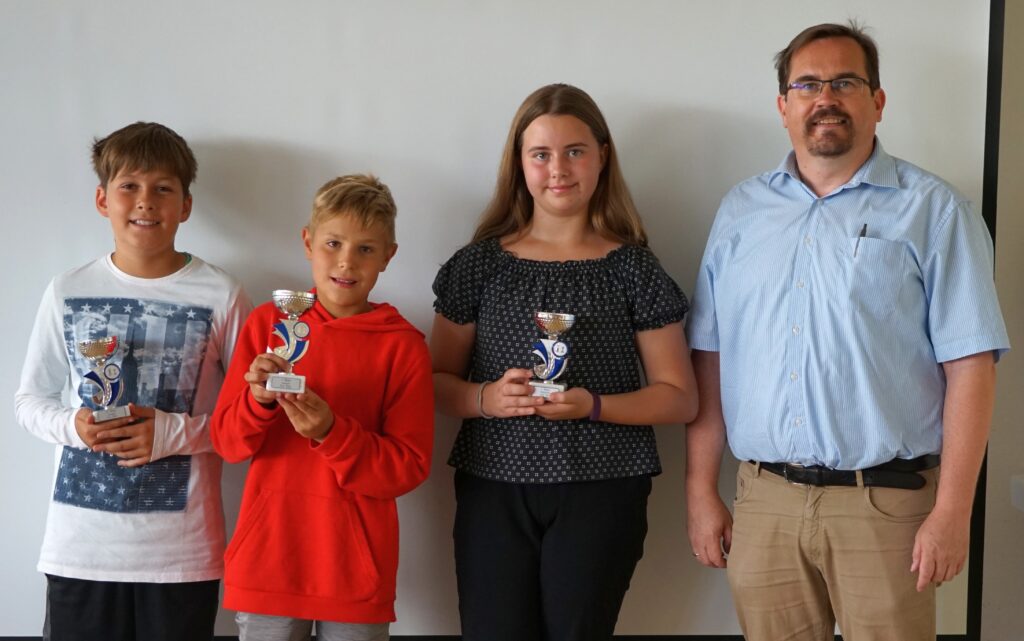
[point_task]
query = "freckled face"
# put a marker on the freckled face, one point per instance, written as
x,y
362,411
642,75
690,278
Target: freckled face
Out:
x,y
346,259
562,163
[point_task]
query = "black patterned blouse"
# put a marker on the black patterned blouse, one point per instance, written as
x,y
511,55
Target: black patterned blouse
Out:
x,y
613,297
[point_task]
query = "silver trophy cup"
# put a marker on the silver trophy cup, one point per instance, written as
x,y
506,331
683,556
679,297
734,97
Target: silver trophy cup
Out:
x,y
294,335
106,376
552,352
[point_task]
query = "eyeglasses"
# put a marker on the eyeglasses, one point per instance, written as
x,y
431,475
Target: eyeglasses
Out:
x,y
841,87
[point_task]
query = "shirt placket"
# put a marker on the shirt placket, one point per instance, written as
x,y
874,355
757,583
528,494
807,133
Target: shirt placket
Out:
x,y
796,330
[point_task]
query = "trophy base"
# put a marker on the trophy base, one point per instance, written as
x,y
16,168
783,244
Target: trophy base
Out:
x,y
286,383
109,414
546,388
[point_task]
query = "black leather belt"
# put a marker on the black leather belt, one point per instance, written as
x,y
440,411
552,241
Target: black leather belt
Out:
x,y
897,473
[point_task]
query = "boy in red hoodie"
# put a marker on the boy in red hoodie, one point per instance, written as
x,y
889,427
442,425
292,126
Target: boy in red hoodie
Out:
x,y
317,536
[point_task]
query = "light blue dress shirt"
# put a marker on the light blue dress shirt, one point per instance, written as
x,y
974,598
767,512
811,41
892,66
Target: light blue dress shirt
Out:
x,y
830,343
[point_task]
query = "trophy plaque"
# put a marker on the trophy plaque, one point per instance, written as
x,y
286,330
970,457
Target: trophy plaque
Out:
x,y
553,352
294,334
106,376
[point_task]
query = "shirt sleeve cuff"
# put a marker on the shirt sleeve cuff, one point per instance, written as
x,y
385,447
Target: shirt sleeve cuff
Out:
x,y
260,412
73,436
998,345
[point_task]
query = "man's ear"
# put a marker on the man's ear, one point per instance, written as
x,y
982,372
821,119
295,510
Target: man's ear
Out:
x,y
780,104
879,98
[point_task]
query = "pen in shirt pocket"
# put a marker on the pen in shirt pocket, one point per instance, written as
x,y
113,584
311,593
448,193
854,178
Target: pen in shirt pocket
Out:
x,y
862,234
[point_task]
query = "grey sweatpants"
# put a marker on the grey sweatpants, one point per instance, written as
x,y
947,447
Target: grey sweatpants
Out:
x,y
261,627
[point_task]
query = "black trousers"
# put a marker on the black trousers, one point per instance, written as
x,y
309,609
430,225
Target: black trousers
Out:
x,y
547,562
80,610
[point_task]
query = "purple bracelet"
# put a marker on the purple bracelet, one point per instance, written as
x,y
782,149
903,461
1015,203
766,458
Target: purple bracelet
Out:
x,y
595,412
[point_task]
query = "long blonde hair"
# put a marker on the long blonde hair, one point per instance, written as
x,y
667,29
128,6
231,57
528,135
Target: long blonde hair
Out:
x,y
612,212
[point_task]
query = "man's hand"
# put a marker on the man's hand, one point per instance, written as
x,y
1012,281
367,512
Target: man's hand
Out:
x,y
310,415
132,441
940,548
709,526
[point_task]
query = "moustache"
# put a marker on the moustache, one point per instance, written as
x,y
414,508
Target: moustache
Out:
x,y
828,112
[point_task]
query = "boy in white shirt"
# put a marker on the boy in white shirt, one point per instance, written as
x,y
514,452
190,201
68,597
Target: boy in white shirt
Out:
x,y
134,539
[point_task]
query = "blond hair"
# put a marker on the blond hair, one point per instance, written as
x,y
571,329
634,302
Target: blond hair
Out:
x,y
363,196
144,146
612,212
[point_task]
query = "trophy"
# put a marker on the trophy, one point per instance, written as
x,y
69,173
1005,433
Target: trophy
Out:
x,y
106,376
293,333
553,353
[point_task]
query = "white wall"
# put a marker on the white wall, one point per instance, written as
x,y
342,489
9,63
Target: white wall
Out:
x,y
275,99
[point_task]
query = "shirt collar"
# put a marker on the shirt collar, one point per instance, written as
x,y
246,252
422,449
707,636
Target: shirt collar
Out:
x,y
878,170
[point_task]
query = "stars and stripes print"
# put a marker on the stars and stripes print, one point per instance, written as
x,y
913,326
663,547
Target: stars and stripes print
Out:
x,y
94,480
162,345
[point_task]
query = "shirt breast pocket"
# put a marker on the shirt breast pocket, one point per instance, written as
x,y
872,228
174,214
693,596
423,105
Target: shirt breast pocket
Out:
x,y
877,275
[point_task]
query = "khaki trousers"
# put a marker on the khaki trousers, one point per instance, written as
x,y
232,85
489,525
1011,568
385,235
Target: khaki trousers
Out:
x,y
804,557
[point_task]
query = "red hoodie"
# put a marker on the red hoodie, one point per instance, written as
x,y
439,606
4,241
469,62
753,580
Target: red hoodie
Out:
x,y
317,535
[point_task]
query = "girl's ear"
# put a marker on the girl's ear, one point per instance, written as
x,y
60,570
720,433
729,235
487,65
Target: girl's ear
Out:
x,y
604,154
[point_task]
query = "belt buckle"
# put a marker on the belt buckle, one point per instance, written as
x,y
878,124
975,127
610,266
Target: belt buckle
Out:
x,y
791,467
808,475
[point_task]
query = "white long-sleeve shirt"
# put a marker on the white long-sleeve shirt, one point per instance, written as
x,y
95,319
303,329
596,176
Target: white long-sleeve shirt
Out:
x,y
162,522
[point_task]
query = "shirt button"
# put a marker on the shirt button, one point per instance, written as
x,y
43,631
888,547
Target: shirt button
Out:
x,y
793,376
796,329
798,421
800,284
807,240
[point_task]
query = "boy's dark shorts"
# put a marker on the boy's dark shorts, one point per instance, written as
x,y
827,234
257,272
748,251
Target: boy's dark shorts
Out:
x,y
82,610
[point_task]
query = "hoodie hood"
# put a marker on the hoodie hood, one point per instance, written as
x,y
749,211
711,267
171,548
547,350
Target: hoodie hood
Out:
x,y
382,318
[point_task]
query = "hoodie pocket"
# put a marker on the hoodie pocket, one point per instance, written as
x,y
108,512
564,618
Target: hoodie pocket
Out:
x,y
303,544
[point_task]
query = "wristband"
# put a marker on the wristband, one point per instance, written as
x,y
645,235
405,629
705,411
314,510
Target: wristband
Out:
x,y
595,411
480,400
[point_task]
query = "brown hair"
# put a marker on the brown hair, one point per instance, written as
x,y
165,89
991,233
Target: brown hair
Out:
x,y
360,195
612,212
144,146
854,31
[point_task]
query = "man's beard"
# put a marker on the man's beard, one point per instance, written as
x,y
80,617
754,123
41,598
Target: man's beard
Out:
x,y
834,142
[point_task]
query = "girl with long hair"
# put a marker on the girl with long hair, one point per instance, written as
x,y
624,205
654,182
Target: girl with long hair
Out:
x,y
552,492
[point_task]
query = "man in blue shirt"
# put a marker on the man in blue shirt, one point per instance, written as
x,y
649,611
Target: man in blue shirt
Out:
x,y
845,331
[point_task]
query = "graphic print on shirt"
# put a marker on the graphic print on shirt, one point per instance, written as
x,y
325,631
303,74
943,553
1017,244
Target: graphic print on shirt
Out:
x,y
162,346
